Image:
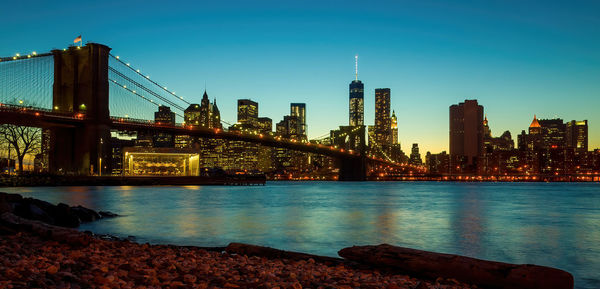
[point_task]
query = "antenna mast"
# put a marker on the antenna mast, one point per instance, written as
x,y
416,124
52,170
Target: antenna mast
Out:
x,y
356,67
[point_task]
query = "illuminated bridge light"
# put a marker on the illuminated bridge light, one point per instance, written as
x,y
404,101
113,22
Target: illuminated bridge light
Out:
x,y
117,57
34,53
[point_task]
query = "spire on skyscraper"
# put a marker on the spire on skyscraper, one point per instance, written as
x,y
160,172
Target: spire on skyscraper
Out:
x,y
356,67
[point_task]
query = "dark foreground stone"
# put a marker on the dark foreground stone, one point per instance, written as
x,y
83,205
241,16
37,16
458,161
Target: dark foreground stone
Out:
x,y
60,215
487,274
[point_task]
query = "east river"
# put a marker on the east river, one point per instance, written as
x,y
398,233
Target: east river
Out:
x,y
551,224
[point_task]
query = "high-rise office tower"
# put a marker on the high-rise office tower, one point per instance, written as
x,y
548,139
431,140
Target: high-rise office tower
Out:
x,y
164,116
394,126
299,111
247,111
191,115
383,133
466,136
415,156
577,135
357,99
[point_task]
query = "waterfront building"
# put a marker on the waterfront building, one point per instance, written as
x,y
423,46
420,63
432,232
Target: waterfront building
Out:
x,y
160,162
555,147
466,136
118,141
437,163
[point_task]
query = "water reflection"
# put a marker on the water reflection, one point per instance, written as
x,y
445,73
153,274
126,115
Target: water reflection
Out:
x,y
549,224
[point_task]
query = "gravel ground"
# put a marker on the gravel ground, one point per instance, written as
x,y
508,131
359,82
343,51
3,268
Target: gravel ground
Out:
x,y
30,261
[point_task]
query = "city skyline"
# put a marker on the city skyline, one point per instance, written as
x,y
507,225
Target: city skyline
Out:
x,y
542,64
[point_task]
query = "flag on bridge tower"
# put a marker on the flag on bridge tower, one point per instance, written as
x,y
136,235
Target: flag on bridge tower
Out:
x,y
78,39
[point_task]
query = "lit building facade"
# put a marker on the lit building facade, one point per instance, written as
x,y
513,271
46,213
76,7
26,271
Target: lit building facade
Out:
x,y
247,111
357,103
437,163
577,135
466,136
394,128
160,162
383,134
299,111
415,156
164,116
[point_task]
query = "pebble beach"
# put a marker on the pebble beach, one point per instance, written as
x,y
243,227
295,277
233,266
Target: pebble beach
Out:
x,y
32,261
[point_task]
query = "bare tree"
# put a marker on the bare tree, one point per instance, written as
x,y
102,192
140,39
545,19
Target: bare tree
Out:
x,y
23,140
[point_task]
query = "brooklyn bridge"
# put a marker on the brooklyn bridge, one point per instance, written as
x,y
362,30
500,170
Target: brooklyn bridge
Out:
x,y
80,94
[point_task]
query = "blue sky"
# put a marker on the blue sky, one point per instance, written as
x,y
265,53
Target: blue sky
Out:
x,y
518,58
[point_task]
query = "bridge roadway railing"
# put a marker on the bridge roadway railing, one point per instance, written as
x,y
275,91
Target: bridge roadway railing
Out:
x,y
255,137
13,109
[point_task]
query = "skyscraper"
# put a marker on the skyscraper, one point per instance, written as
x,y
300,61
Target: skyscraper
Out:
x,y
357,99
247,111
466,136
299,110
415,156
577,135
394,126
383,133
191,115
164,116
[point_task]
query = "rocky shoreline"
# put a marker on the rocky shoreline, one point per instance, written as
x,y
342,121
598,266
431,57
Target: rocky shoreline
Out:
x,y
38,254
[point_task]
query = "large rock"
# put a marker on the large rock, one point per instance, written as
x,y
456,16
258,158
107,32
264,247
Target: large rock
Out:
x,y
483,273
60,215
85,215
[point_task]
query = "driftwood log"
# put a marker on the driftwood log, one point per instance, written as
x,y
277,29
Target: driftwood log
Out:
x,y
272,253
486,274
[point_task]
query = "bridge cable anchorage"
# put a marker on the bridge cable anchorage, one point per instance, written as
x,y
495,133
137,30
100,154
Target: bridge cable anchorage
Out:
x,y
139,95
180,98
141,86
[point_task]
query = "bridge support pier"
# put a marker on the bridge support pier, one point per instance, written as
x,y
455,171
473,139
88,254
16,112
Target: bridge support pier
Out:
x,y
352,169
81,89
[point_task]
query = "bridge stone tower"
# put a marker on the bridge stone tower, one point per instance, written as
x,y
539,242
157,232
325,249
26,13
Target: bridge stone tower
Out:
x,y
353,169
81,87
